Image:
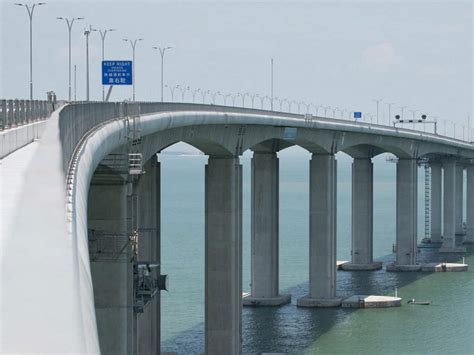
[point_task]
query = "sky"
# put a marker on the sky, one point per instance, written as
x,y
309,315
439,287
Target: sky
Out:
x,y
341,54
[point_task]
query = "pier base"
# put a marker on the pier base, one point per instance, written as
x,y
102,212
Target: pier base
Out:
x,y
250,301
318,302
377,265
402,268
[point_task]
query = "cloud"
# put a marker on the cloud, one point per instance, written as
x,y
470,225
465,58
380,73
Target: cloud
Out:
x,y
380,57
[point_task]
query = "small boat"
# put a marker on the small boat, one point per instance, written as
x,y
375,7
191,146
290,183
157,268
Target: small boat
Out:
x,y
423,303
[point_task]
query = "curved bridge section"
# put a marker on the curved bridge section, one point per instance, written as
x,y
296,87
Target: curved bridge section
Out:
x,y
84,257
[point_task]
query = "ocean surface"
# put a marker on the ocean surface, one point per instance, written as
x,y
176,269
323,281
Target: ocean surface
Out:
x,y
445,327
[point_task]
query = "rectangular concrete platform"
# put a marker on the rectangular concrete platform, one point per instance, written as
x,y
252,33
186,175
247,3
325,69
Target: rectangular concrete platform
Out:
x,y
364,301
443,267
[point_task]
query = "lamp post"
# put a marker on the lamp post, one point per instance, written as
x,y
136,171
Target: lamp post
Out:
x,y
87,32
133,43
377,101
30,9
182,90
271,104
103,34
326,110
389,104
172,89
402,109
75,82
69,23
162,53
194,94
252,98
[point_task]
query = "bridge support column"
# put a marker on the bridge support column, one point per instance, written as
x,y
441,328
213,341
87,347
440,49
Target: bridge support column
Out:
x,y
470,205
435,203
459,199
148,191
451,179
223,256
264,235
407,194
322,233
362,217
112,273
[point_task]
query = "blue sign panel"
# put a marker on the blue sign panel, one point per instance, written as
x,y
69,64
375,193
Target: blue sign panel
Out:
x,y
289,133
117,72
357,115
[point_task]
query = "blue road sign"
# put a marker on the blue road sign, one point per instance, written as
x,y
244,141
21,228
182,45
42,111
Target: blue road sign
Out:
x,y
357,115
117,72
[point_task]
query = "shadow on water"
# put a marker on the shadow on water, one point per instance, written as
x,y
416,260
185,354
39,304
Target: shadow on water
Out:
x,y
289,329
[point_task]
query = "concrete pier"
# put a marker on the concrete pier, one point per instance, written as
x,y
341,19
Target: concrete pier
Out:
x,y
459,199
407,194
148,191
264,233
223,255
436,202
470,205
112,274
322,233
362,217
449,230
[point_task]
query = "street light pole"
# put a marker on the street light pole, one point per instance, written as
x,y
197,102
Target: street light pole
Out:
x,y
162,53
87,32
103,33
75,82
271,104
30,15
133,43
389,104
69,23
377,101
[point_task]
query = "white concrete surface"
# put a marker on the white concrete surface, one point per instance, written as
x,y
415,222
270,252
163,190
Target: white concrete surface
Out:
x,y
15,138
46,303
372,301
444,267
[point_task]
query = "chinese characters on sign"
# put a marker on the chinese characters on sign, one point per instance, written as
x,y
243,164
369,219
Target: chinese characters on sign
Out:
x,y
117,72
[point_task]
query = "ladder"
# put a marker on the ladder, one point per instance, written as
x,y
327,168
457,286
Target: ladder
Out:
x,y
135,157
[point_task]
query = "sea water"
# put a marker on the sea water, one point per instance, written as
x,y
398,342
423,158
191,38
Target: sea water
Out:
x,y
446,326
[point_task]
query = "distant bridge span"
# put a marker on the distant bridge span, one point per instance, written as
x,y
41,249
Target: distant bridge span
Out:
x,y
57,289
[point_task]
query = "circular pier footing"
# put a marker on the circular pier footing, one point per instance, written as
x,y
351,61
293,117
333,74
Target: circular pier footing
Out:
x,y
249,301
362,267
318,302
402,268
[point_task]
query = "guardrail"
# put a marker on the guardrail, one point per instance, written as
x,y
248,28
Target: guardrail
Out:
x,y
16,112
78,118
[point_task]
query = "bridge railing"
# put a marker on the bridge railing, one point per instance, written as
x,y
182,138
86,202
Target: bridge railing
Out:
x,y
16,112
78,118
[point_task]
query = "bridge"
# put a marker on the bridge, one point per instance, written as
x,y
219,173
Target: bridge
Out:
x,y
80,261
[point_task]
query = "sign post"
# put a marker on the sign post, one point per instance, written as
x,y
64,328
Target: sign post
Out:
x,y
357,115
